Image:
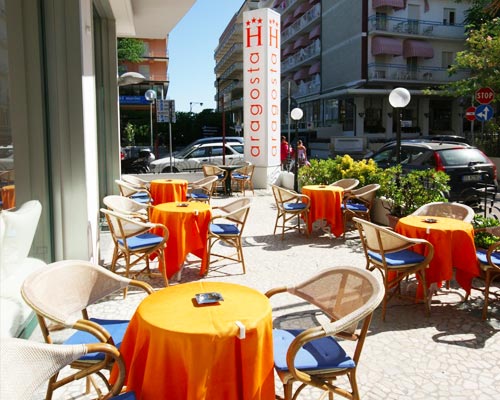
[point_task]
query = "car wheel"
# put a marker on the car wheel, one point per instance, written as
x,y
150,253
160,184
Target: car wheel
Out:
x,y
170,169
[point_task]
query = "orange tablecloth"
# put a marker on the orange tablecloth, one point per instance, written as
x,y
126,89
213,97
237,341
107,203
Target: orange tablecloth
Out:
x,y
177,349
453,242
8,197
188,229
325,204
167,190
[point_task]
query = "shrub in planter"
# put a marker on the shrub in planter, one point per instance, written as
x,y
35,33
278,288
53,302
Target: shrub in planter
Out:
x,y
482,237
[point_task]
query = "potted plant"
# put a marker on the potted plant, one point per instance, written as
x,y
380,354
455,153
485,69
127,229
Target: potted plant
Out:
x,y
406,192
483,237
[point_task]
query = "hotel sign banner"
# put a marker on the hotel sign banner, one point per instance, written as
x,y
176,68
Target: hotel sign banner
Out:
x,y
262,86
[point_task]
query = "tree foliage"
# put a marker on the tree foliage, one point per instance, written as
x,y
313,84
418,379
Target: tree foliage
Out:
x,y
130,49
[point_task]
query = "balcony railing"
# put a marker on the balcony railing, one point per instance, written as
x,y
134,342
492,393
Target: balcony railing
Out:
x,y
229,71
311,86
398,72
310,16
419,27
302,56
228,35
237,47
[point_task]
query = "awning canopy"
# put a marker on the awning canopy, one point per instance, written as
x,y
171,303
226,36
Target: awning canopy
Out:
x,y
400,4
315,68
386,45
312,2
301,10
288,50
417,48
315,33
301,74
288,21
301,42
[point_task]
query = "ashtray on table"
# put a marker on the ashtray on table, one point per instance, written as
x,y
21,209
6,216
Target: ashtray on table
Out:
x,y
430,220
207,298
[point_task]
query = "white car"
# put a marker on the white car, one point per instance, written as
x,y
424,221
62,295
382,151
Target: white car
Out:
x,y
192,158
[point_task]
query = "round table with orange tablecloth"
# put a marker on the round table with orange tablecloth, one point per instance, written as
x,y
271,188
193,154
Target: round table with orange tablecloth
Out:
x,y
175,348
168,190
453,242
326,204
188,228
8,197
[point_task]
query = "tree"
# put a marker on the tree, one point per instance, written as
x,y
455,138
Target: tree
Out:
x,y
130,49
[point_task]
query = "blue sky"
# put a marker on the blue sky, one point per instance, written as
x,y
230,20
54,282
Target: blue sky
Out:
x,y
191,48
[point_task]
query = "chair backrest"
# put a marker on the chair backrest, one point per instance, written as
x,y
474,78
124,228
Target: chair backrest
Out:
x,y
67,287
17,230
209,170
205,182
346,294
282,195
127,206
366,193
245,170
127,190
26,365
122,226
445,209
135,181
346,184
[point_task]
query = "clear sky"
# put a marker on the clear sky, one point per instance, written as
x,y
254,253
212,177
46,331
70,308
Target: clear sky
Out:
x,y
191,46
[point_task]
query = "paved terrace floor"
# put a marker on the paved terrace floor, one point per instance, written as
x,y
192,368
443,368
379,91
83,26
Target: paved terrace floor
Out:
x,y
452,354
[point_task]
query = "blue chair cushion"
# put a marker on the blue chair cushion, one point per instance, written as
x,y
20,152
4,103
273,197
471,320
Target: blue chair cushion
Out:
x,y
294,206
198,196
140,198
115,327
398,258
324,353
221,176
142,241
125,396
240,176
481,256
224,229
355,207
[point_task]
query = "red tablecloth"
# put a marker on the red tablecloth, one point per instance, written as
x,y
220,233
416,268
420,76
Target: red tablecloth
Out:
x,y
325,204
453,242
176,349
168,190
187,228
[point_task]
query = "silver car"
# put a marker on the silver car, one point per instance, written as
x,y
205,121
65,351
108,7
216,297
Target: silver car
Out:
x,y
194,157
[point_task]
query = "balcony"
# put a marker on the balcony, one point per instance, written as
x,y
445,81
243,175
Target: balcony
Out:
x,y
306,88
227,40
415,27
302,23
397,72
303,56
234,52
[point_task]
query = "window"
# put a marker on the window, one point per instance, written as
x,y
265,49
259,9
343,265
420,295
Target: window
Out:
x,y
449,16
447,58
144,70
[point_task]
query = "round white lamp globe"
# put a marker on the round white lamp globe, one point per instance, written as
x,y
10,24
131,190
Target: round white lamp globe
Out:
x,y
296,114
399,97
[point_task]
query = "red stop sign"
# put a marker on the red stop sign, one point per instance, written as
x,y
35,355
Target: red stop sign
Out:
x,y
470,114
485,95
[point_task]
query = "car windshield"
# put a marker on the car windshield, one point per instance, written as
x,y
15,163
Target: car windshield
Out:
x,y
238,148
184,152
453,157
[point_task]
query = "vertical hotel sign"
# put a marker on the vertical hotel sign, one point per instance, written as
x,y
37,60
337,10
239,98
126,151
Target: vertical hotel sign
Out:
x,y
262,89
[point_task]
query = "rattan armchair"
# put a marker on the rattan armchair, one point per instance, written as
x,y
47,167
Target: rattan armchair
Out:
x,y
26,365
202,189
347,183
127,206
290,205
211,170
346,297
389,252
136,193
242,178
226,226
445,209
64,289
136,181
358,203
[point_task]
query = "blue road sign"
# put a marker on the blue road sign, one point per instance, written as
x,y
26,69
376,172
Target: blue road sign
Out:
x,y
484,112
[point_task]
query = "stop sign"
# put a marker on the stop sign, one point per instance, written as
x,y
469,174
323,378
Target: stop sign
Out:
x,y
470,114
485,95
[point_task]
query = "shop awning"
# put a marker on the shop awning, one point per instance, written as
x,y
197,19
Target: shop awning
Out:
x,y
315,33
400,4
288,50
315,68
417,48
301,10
301,42
386,45
301,74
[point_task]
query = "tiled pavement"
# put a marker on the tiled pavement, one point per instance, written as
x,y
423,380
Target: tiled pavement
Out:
x,y
452,354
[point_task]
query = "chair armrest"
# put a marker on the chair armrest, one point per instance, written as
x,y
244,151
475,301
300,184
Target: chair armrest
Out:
x,y
272,292
143,285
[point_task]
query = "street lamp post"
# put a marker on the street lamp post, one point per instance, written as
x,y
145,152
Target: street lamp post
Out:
x,y
150,96
399,98
296,114
191,105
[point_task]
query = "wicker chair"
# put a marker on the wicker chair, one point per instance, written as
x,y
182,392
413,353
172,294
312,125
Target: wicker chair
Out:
x,y
347,184
202,189
346,296
211,170
358,203
388,252
127,206
136,193
65,288
227,226
444,209
136,181
135,243
290,205
242,178
26,365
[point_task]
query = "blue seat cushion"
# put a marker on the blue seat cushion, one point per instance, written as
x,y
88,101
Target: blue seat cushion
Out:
x,y
398,258
224,229
198,196
355,207
221,176
140,198
240,176
125,396
481,256
142,241
320,354
115,327
294,206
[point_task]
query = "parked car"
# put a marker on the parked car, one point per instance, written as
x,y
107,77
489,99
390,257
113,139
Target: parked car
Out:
x,y
466,165
193,157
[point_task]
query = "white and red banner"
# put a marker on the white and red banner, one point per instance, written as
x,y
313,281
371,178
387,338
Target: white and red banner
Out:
x,y
262,90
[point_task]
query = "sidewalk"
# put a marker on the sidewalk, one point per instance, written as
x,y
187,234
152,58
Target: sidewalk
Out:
x,y
452,354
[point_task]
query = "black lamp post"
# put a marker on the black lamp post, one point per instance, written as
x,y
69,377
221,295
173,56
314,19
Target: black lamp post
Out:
x,y
399,98
296,114
223,116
